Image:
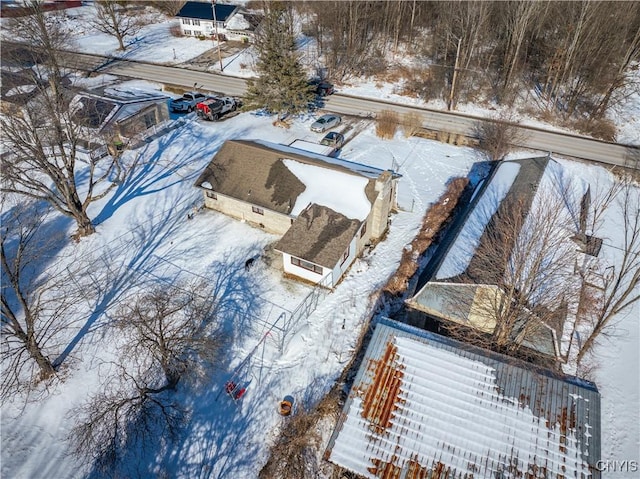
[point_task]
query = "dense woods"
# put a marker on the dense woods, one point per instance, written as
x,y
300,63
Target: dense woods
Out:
x,y
574,57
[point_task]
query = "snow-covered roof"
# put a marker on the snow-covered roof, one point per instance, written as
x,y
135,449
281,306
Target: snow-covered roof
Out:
x,y
357,168
312,147
341,192
427,406
287,180
461,252
97,110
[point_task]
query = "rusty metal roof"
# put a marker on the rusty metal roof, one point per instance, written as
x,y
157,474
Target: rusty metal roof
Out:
x,y
425,406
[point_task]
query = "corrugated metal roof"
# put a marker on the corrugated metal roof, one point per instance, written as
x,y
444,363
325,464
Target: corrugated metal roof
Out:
x,y
427,406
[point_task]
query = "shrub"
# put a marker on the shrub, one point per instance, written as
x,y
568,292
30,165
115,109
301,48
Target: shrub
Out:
x,y
387,124
412,123
601,128
175,31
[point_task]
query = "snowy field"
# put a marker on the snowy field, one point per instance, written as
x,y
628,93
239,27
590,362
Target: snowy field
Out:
x,y
143,232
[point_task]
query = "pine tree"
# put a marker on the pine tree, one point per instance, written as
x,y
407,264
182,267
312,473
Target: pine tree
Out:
x,y
281,86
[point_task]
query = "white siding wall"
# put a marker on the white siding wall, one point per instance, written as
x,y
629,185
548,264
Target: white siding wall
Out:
x,y
302,272
341,267
270,221
189,27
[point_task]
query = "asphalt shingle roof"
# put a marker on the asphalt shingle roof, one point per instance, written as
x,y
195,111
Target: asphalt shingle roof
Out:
x,y
203,11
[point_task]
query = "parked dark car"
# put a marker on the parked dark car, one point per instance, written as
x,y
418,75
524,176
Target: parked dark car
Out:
x,y
322,87
333,139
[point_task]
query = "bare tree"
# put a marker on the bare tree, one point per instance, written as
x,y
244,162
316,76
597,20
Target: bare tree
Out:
x,y
172,335
169,7
496,138
113,18
612,283
41,137
520,280
35,305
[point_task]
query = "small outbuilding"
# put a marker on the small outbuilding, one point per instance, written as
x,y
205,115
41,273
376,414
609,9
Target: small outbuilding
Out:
x,y
119,115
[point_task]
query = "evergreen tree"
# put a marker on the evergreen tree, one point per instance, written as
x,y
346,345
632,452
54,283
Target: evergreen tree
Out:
x,y
281,86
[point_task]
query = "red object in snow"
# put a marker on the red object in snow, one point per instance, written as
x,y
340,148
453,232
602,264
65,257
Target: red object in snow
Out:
x,y
229,387
240,393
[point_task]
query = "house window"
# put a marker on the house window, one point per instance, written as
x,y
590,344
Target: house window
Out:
x,y
344,257
187,32
196,23
363,230
149,119
212,195
256,210
186,21
306,265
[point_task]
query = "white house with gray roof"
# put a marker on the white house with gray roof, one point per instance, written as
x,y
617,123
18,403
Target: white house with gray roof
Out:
x,y
326,209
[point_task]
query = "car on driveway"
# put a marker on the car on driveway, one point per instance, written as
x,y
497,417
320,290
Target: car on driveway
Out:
x,y
325,122
322,87
333,139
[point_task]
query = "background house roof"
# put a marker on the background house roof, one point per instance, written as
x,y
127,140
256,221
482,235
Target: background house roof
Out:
x,y
319,235
97,110
203,11
423,403
256,172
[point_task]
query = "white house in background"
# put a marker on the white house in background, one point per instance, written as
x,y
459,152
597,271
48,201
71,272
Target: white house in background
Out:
x,y
197,19
326,209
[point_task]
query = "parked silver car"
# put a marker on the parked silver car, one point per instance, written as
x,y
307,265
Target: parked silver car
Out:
x,y
325,122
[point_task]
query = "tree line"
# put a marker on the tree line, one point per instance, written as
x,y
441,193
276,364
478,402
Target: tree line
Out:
x,y
576,55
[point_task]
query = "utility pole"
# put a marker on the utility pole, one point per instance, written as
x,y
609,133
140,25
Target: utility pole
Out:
x,y
455,75
215,26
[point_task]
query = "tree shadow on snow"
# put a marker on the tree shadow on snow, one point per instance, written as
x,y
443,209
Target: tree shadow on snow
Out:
x,y
152,170
214,423
116,270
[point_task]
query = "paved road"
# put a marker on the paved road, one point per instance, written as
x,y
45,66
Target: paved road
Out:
x,y
461,124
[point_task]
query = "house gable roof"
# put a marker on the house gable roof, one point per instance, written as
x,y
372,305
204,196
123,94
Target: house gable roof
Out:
x,y
203,11
319,235
98,110
429,405
256,172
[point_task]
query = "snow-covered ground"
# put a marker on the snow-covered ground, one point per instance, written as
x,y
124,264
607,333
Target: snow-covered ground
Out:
x,y
144,231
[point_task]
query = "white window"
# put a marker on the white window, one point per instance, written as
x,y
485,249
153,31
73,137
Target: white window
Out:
x,y
186,21
196,23
187,32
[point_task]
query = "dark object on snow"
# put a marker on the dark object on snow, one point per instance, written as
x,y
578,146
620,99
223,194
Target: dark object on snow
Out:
x,y
249,263
322,87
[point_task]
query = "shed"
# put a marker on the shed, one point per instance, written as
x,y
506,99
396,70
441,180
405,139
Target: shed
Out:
x,y
426,406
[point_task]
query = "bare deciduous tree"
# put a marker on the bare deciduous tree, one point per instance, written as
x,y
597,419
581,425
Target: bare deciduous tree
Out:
x,y
35,305
521,276
498,137
169,7
172,335
612,283
113,18
42,138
